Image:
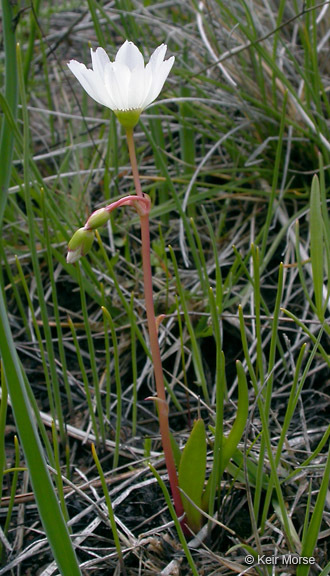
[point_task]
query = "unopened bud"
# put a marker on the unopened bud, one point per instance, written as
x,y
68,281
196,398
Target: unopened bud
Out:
x,y
80,243
97,219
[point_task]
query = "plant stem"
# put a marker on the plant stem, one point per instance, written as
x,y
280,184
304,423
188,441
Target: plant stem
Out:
x,y
153,336
132,157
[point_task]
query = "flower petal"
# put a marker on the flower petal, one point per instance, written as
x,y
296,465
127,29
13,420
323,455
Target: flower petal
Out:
x,y
158,79
157,57
117,78
130,55
89,81
99,61
139,86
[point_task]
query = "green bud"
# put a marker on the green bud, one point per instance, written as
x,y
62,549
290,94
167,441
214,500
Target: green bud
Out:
x,y
80,243
97,219
128,118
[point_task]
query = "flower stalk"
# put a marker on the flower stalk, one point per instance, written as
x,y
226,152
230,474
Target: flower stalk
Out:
x,y
81,243
162,405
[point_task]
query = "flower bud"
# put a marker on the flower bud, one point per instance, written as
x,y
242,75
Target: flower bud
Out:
x,y
97,219
79,245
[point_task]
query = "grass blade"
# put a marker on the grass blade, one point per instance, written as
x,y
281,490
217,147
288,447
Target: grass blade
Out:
x,y
11,95
197,358
49,509
316,245
176,521
311,535
109,320
110,509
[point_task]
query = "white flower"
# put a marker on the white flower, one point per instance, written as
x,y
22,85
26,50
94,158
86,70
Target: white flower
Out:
x,y
126,85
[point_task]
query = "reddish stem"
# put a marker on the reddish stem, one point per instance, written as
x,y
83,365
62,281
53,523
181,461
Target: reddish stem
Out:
x,y
153,336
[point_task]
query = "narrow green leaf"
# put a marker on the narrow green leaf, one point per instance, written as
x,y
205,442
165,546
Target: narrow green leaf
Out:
x,y
294,537
176,521
49,509
3,419
209,496
196,353
316,246
84,377
33,31
242,466
58,476
96,21
276,172
92,356
192,474
326,570
107,316
11,95
134,366
312,533
228,446
231,442
110,509
14,484
266,436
